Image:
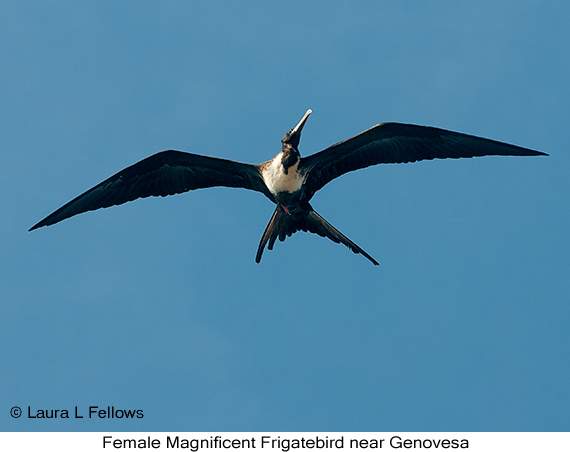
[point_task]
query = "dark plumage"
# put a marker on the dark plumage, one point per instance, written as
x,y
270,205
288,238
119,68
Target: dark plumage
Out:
x,y
287,180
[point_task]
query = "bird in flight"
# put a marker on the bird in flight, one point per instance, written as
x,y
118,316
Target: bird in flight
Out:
x,y
288,180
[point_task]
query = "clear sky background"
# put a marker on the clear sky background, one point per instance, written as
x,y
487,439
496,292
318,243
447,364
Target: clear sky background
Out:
x,y
159,305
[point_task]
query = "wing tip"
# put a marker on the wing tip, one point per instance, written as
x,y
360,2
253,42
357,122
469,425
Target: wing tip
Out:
x,y
47,221
36,226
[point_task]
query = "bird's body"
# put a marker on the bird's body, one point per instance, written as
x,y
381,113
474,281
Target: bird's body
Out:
x,y
280,179
288,180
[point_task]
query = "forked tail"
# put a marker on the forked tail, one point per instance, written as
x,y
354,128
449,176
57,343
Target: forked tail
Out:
x,y
305,219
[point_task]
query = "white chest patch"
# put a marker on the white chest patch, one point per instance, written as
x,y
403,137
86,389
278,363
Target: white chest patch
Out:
x,y
276,179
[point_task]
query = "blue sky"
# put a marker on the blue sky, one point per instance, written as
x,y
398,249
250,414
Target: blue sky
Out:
x,y
158,304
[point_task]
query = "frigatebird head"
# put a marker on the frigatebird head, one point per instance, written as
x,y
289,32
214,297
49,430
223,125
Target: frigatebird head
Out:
x,y
293,137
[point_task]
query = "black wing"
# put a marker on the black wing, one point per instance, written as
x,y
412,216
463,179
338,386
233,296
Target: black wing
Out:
x,y
397,143
162,174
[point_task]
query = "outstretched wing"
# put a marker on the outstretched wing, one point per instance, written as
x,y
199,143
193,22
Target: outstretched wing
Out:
x,y
162,174
397,143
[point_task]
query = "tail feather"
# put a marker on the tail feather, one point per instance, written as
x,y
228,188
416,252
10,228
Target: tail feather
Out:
x,y
269,234
305,219
322,227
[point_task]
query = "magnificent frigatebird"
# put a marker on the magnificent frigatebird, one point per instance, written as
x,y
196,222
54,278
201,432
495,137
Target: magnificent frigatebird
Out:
x,y
287,179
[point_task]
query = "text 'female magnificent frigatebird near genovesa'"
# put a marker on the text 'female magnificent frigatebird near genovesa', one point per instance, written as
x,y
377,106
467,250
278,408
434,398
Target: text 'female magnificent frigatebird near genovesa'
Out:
x,y
287,180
